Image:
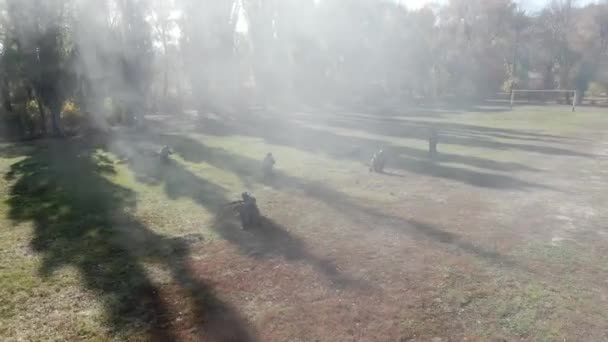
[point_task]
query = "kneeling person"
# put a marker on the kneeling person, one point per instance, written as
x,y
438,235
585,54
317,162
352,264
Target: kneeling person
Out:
x,y
164,153
268,165
249,211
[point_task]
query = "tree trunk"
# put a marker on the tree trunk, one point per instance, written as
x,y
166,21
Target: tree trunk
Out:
x,y
42,115
166,68
548,78
55,109
180,91
6,97
165,72
166,84
8,107
55,120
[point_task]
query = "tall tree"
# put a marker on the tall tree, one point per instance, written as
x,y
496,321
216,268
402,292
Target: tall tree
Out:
x,y
554,28
164,25
42,41
207,42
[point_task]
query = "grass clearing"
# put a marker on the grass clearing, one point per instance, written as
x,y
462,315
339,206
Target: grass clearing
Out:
x,y
501,238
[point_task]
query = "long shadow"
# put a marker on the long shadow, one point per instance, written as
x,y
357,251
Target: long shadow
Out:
x,y
475,178
481,163
459,134
398,124
215,319
81,219
380,220
419,110
269,239
192,150
139,151
289,133
370,217
350,147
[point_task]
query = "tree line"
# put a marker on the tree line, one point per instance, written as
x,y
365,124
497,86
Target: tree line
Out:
x,y
65,64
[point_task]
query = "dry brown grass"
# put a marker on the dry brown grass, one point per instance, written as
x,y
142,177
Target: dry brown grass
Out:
x,y
500,240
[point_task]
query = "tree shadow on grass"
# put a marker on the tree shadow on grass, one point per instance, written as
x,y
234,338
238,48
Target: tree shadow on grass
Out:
x,y
301,135
270,239
140,153
81,219
343,203
399,125
379,220
465,135
348,147
476,162
247,168
472,177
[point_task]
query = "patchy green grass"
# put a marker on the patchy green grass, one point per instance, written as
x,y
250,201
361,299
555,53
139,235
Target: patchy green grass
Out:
x,y
498,239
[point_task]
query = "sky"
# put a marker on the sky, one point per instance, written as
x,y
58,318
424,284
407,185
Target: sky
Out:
x,y
531,5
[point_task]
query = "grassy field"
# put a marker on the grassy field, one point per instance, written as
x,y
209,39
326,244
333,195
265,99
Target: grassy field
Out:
x,y
503,238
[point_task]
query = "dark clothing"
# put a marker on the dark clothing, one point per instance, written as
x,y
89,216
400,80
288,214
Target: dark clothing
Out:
x,y
164,154
249,212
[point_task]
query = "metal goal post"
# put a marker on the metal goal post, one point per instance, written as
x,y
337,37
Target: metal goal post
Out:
x,y
573,92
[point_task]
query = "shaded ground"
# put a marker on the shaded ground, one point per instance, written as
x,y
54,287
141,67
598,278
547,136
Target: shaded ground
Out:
x,y
500,239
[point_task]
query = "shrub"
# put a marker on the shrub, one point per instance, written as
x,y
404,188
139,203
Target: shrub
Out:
x,y
71,116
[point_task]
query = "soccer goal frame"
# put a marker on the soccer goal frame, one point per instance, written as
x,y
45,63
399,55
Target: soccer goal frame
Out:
x,y
561,91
